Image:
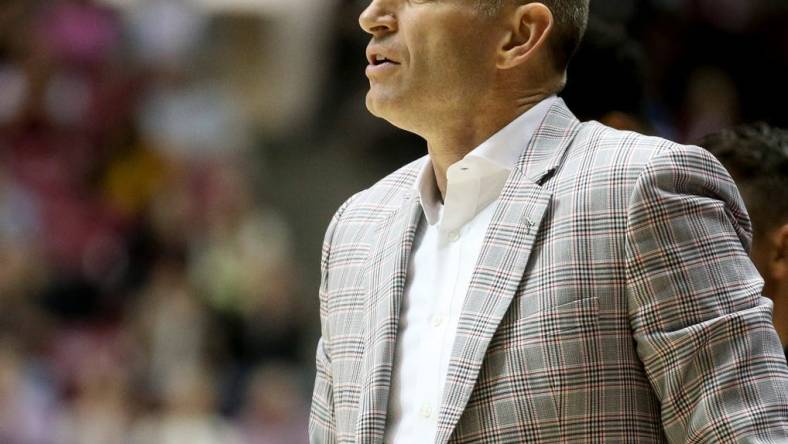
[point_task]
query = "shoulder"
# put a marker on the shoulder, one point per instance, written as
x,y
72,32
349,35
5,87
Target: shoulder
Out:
x,y
600,150
688,168
657,176
605,167
600,157
602,144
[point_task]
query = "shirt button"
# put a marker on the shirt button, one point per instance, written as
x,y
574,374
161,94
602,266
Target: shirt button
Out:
x,y
437,321
454,236
426,410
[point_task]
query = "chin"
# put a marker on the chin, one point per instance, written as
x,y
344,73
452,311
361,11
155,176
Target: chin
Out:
x,y
372,105
390,110
380,106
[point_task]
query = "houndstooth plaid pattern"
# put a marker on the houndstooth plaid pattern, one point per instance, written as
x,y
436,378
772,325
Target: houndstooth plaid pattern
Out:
x,y
612,301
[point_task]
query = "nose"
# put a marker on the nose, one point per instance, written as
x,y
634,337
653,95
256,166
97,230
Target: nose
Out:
x,y
378,18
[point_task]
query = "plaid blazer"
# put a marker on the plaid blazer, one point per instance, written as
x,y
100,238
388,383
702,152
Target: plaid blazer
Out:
x,y
613,301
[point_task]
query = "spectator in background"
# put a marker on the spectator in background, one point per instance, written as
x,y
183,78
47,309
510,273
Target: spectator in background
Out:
x,y
757,158
607,78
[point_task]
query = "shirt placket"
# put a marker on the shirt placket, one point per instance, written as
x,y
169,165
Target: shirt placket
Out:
x,y
453,237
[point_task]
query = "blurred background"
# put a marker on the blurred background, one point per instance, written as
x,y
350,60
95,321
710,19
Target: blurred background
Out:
x,y
168,167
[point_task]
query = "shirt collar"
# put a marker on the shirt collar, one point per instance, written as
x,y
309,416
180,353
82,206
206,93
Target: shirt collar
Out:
x,y
480,176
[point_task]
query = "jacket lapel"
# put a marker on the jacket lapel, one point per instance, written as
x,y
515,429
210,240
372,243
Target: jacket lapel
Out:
x,y
503,258
386,271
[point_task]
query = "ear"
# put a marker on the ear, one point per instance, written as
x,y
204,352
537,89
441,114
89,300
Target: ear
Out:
x,y
779,259
528,27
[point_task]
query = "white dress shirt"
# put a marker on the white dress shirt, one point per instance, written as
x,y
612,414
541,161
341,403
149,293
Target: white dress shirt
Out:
x,y
440,268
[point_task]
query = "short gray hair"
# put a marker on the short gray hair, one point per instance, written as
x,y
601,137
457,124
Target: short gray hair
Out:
x,y
571,19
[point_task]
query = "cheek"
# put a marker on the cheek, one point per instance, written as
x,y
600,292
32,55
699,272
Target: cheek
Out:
x,y
457,58
440,67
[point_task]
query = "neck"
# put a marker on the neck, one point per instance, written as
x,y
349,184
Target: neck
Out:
x,y
459,136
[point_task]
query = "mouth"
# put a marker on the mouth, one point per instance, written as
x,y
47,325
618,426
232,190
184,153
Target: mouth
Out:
x,y
378,60
380,66
379,56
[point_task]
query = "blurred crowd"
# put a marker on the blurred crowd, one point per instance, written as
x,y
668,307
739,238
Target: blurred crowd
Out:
x,y
167,169
147,286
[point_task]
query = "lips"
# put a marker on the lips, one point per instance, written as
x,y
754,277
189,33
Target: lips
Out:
x,y
377,56
382,62
379,60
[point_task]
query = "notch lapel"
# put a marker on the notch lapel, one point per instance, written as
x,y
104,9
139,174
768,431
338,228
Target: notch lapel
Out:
x,y
387,270
505,252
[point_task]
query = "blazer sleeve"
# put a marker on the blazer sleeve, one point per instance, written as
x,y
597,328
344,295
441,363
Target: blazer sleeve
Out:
x,y
703,331
322,420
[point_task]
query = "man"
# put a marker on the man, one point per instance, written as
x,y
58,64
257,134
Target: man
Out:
x,y
757,158
534,278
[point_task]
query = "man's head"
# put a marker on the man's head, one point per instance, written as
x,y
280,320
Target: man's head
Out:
x,y
432,60
757,158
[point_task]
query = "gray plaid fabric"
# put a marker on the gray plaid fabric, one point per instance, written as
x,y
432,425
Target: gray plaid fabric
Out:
x,y
612,301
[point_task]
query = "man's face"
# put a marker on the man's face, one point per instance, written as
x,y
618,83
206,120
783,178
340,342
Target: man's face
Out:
x,y
428,59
